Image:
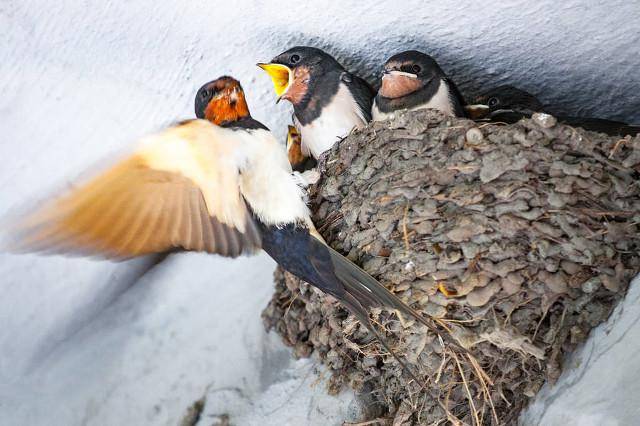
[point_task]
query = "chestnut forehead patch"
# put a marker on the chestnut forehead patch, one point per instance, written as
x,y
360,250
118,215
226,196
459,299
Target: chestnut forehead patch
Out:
x,y
397,86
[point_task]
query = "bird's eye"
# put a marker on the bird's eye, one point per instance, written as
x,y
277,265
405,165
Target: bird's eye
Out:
x,y
205,94
492,102
416,69
294,58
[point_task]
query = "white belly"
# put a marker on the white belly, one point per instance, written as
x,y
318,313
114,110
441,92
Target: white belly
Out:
x,y
335,122
441,100
267,183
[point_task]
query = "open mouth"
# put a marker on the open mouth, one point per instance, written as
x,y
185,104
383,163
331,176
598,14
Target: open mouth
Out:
x,y
281,75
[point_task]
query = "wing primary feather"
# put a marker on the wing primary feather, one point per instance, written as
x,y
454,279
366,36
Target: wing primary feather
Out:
x,y
141,243
187,224
177,215
180,189
252,236
125,230
233,242
218,231
102,225
162,235
196,242
61,223
209,239
127,227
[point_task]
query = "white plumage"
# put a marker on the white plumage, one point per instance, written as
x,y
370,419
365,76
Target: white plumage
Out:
x,y
184,187
335,122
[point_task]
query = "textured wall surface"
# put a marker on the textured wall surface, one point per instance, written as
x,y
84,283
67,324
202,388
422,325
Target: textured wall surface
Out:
x,y
81,80
600,385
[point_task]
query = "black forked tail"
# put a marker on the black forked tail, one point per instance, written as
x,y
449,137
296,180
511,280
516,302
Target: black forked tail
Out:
x,y
361,292
362,315
311,260
368,291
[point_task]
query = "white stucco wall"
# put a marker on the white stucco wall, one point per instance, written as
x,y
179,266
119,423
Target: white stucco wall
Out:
x,y
79,80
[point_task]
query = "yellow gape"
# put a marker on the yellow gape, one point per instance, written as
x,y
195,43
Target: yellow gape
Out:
x,y
281,75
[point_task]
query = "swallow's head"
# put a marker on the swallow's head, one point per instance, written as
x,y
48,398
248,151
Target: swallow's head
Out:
x,y
408,72
221,100
293,71
503,98
509,97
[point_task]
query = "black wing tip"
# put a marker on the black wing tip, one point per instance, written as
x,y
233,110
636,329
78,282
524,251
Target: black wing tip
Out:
x,y
363,94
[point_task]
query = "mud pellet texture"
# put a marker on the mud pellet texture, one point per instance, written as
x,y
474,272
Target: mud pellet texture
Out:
x,y
519,239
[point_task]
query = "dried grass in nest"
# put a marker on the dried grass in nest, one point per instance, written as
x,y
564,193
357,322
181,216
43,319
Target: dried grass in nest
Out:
x,y
519,238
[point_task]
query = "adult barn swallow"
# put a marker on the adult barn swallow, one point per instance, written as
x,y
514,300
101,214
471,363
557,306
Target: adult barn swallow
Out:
x,y
328,101
413,80
223,188
509,104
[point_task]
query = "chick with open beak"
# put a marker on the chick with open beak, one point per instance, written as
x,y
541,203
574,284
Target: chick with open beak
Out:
x,y
328,101
281,76
413,80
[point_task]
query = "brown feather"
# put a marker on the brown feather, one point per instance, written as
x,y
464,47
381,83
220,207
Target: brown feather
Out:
x,y
180,191
197,239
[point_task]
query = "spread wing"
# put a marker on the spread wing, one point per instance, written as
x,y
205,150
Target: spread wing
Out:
x,y
179,190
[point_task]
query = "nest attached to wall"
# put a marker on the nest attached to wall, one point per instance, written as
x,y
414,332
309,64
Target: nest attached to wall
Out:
x,y
521,238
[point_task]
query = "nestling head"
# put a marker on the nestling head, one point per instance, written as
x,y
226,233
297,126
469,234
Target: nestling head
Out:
x,y
509,97
408,72
503,98
293,71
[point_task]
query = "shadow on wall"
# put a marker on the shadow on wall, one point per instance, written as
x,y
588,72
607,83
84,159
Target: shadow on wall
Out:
x,y
576,91
82,316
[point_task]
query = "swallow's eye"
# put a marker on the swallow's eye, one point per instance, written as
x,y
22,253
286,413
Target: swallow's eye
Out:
x,y
492,102
411,69
294,58
205,94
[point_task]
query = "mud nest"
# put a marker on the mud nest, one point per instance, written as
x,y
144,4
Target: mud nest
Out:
x,y
520,238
